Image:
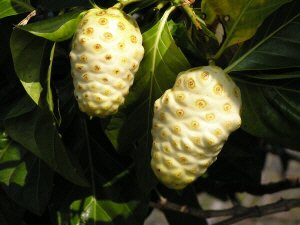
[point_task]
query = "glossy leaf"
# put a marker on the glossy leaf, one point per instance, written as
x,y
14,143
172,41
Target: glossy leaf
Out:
x,y
59,28
25,178
240,18
272,114
28,53
14,7
276,44
36,131
162,61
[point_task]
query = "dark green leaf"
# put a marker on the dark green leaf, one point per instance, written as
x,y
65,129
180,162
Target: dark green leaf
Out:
x,y
55,5
13,7
36,131
162,62
59,28
275,46
117,202
28,54
25,178
272,114
240,18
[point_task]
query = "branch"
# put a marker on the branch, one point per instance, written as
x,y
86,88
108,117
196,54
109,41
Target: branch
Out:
x,y
238,213
254,189
259,211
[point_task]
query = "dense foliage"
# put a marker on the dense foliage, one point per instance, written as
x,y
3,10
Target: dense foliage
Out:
x,y
60,167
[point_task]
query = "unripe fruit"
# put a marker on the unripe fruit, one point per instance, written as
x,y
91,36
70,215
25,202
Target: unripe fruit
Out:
x,y
106,53
191,123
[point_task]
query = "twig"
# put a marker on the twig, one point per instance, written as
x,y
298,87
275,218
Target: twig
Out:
x,y
259,211
27,18
238,213
233,187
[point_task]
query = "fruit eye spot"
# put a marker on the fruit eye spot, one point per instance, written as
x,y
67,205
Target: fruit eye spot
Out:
x,y
177,129
105,80
129,77
133,39
98,99
179,113
102,21
217,132
107,36
79,87
116,71
191,83
79,67
119,86
121,26
178,174
180,97
156,106
100,13
200,103
218,89
178,83
124,60
162,117
169,163
209,116
108,57
89,31
204,75
183,159
97,47
84,22
82,41
107,92
121,45
196,140
133,67
227,107
163,134
83,58
166,99
166,149
86,95
97,68
194,124
236,92
85,77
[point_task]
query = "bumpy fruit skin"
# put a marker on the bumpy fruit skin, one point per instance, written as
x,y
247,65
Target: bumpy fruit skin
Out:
x,y
191,123
106,53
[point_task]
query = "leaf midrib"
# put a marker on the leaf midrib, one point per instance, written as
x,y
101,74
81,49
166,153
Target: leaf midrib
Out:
x,y
240,59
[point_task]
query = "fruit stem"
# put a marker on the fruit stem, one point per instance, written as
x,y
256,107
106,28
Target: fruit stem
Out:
x,y
126,2
195,19
94,4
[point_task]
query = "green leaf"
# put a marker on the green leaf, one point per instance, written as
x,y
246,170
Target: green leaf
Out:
x,y
241,18
272,114
56,5
162,62
14,7
28,53
25,178
276,44
36,131
117,202
59,28
49,96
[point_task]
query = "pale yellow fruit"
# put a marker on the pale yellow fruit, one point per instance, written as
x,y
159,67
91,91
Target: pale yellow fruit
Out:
x,y
106,53
191,123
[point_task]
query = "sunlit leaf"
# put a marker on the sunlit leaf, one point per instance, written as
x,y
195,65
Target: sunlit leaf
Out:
x,y
276,44
59,28
13,7
28,53
162,62
240,18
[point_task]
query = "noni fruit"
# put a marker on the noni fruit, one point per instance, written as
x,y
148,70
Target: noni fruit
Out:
x,y
191,123
106,52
